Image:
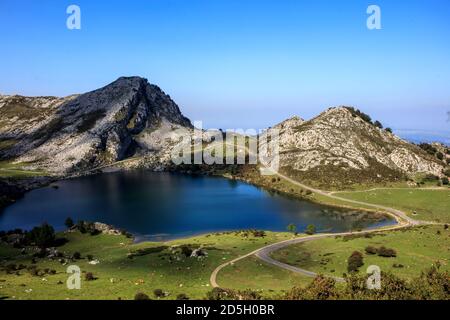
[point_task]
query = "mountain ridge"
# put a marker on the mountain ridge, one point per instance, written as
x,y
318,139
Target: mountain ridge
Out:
x,y
130,117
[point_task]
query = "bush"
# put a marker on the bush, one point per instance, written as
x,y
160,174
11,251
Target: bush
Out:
x,y
386,252
89,276
310,229
378,124
440,156
159,293
76,255
445,181
81,227
43,236
90,257
428,148
355,261
321,288
182,296
371,250
291,227
141,296
218,294
388,130
258,233
69,223
186,251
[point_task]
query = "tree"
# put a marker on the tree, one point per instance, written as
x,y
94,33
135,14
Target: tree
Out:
x,y
310,229
445,181
355,261
43,236
292,228
378,124
69,223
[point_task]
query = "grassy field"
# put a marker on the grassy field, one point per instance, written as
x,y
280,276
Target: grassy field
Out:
x,y
122,277
252,273
421,204
417,249
18,170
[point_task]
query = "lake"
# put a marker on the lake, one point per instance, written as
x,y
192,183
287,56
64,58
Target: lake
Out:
x,y
161,206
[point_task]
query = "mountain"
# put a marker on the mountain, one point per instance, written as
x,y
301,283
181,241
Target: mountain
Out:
x,y
342,146
126,117
131,118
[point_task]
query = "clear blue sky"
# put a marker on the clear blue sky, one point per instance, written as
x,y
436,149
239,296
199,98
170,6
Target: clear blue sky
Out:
x,y
241,63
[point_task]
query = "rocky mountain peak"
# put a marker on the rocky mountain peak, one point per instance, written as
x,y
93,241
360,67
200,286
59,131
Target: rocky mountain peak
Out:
x,y
342,145
98,127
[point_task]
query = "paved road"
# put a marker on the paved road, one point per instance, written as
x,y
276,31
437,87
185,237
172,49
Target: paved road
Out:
x,y
263,253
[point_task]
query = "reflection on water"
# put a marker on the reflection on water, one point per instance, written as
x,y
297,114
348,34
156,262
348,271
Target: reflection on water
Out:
x,y
162,206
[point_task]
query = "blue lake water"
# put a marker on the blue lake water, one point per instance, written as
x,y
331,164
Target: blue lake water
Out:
x,y
159,206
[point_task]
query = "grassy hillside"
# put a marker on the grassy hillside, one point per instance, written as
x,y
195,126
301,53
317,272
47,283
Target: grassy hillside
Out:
x,y
18,170
431,205
156,266
417,249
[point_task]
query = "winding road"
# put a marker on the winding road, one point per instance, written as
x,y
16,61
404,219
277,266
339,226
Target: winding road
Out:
x,y
403,221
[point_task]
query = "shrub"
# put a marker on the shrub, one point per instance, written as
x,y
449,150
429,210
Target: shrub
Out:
x,y
89,276
258,233
388,130
76,255
186,251
43,236
159,293
371,250
321,288
69,223
182,296
386,252
218,294
428,148
141,296
378,124
355,261
291,227
90,257
440,156
81,227
310,229
445,181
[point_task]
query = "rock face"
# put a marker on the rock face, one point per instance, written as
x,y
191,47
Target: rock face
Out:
x,y
88,130
339,146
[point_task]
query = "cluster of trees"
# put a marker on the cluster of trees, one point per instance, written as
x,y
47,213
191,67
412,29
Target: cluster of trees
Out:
x,y
381,251
310,229
431,150
358,113
430,285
